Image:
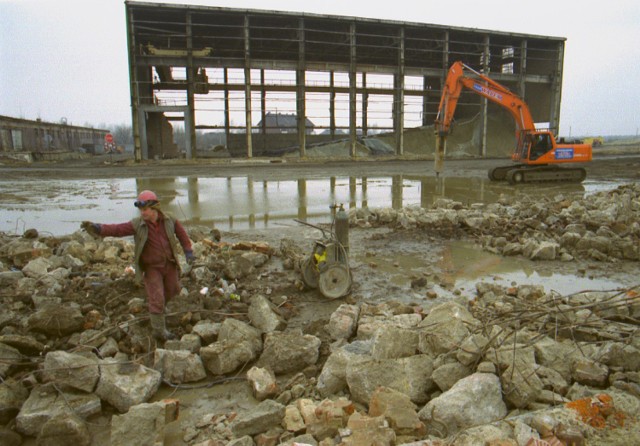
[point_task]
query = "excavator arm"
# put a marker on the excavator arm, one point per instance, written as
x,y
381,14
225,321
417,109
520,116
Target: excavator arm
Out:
x,y
484,86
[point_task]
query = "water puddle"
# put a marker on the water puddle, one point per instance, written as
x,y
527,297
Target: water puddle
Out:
x,y
466,264
459,266
238,203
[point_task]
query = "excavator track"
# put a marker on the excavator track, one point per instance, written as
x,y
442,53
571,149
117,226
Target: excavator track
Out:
x,y
537,174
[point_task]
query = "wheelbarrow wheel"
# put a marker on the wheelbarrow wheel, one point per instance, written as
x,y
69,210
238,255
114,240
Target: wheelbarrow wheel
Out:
x,y
310,273
335,281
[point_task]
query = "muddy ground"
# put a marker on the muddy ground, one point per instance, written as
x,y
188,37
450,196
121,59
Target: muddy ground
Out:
x,y
385,261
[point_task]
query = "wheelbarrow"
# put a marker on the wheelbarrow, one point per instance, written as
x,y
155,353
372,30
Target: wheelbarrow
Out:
x,y
327,267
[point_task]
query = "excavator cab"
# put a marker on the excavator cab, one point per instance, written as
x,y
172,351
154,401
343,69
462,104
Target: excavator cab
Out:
x,y
540,144
532,146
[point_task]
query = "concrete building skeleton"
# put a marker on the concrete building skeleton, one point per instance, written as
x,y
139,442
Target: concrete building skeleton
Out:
x,y
181,58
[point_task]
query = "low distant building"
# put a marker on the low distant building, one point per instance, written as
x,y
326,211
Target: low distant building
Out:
x,y
40,138
283,123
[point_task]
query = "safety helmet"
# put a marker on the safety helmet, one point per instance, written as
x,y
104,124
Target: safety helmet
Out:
x,y
146,198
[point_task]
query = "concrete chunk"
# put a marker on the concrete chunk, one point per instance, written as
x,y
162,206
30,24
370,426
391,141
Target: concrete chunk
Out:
x,y
126,384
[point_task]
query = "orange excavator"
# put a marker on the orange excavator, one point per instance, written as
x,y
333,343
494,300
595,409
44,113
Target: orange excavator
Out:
x,y
537,155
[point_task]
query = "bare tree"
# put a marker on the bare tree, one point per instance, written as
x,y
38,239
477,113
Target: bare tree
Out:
x,y
123,134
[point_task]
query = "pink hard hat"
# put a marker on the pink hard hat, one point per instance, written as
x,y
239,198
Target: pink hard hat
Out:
x,y
147,195
146,198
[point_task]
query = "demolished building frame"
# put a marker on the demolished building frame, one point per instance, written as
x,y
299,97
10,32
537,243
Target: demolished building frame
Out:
x,y
205,44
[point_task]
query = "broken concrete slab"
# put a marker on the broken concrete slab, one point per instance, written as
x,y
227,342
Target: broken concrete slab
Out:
x,y
448,374
45,402
333,377
391,342
293,421
259,419
72,371
445,328
472,401
398,410
411,376
263,383
179,366
590,373
234,330
10,356
226,356
56,320
329,417
64,429
263,316
125,384
37,268
12,396
207,330
368,430
343,322
143,424
289,351
27,345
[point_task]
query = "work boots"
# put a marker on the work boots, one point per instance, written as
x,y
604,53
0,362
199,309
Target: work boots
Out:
x,y
159,329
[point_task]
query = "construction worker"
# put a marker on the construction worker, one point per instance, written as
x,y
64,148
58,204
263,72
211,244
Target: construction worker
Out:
x,y
155,235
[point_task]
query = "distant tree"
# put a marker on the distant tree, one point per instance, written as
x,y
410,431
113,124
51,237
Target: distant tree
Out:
x,y
179,137
123,134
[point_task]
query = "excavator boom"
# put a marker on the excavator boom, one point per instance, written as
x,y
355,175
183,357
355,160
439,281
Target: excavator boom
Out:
x,y
537,151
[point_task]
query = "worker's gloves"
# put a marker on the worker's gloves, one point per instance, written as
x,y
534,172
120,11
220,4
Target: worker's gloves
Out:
x,y
93,229
190,257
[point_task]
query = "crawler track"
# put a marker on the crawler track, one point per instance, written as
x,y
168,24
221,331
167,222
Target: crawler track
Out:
x,y
517,174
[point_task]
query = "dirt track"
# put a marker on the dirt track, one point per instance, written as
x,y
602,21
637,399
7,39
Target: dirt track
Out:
x,y
610,163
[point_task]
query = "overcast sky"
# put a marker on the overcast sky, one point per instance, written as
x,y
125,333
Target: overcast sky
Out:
x,y
68,59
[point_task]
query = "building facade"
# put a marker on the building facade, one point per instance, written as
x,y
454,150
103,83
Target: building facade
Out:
x,y
40,138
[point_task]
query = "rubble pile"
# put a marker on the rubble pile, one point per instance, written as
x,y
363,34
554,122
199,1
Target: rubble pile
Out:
x,y
603,226
501,365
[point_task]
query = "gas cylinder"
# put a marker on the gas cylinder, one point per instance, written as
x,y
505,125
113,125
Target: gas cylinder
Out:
x,y
342,228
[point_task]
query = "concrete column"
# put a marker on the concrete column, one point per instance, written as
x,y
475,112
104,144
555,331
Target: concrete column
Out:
x,y
425,100
188,123
133,90
522,73
332,105
301,114
352,91
227,120
365,104
398,102
441,142
263,104
445,59
484,113
247,87
142,124
190,130
556,92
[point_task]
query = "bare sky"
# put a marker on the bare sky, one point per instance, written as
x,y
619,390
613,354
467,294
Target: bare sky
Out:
x,y
68,59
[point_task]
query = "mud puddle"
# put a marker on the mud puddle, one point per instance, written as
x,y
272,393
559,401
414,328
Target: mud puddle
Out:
x,y
458,266
239,203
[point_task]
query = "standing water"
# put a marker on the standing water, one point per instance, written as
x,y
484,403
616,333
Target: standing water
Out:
x,y
237,203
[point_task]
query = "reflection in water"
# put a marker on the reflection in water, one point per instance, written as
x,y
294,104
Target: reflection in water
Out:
x,y
242,202
232,203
